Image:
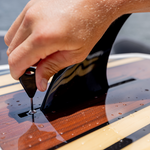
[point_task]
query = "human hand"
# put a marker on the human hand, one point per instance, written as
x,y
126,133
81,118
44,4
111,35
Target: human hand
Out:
x,y
56,34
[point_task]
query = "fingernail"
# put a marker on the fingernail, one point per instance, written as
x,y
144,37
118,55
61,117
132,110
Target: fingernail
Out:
x,y
44,84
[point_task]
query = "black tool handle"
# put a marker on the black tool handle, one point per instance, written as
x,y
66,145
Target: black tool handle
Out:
x,y
28,82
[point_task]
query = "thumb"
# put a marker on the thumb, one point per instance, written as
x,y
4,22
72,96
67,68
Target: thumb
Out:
x,y
50,65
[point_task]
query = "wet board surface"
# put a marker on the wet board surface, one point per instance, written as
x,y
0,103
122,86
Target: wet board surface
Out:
x,y
118,119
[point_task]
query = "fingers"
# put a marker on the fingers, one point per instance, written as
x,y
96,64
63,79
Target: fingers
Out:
x,y
21,35
47,68
52,64
12,31
28,53
22,58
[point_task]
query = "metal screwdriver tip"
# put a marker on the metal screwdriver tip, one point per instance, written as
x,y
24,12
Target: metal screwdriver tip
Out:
x,y
32,111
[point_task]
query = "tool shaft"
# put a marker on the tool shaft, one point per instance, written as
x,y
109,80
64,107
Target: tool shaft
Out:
x,y
32,104
32,111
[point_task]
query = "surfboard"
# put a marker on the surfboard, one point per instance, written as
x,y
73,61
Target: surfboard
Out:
x,y
118,119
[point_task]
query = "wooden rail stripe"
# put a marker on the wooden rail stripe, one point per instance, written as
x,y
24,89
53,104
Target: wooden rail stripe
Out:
x,y
141,144
10,89
13,88
123,61
131,138
112,133
7,79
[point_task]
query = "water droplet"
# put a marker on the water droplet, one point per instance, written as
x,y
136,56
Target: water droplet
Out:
x,y
30,145
89,124
100,145
72,134
112,114
61,133
141,104
120,113
97,123
40,139
3,133
7,103
7,123
103,129
41,125
19,104
53,111
30,136
131,115
147,140
121,140
17,101
82,143
125,104
146,89
116,105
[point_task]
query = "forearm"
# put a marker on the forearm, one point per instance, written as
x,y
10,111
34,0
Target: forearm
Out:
x,y
134,6
116,8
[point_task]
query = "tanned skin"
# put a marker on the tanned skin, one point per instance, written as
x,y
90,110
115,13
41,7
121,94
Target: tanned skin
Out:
x,y
54,34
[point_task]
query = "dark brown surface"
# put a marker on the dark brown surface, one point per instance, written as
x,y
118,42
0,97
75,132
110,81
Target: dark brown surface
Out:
x,y
46,131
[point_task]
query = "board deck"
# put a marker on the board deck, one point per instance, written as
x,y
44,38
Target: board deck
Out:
x,y
118,119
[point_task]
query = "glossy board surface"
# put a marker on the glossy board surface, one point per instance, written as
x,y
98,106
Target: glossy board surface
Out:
x,y
86,113
118,119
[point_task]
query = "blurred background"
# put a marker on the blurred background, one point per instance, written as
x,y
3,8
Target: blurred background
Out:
x,y
9,10
133,37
